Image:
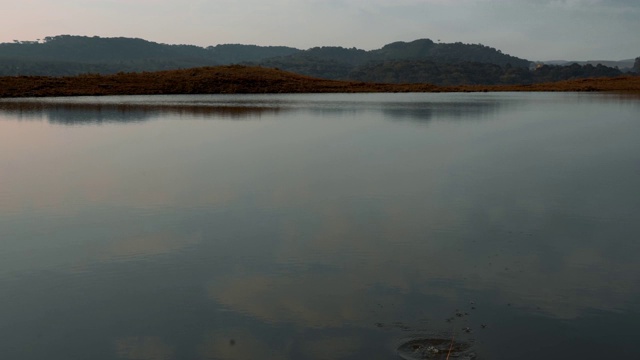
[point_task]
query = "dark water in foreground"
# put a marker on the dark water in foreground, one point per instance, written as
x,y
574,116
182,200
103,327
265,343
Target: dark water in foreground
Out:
x,y
320,227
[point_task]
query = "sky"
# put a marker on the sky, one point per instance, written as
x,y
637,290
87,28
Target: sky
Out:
x,y
530,29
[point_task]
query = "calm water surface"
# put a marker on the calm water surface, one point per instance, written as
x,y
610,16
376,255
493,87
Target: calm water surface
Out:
x,y
320,226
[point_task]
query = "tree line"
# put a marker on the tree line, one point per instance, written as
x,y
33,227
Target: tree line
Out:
x,y
473,73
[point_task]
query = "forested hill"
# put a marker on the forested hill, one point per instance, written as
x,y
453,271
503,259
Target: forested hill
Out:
x,y
71,55
425,49
341,63
419,61
423,61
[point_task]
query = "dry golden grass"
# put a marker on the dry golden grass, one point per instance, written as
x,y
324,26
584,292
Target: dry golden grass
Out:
x,y
622,84
236,79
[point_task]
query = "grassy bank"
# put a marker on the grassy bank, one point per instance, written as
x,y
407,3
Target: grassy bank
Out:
x,y
236,79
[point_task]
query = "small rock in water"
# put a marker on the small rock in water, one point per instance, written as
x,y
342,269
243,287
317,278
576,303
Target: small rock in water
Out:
x,y
434,349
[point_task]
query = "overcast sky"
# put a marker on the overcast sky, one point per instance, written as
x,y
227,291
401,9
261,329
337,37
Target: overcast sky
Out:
x,y
531,29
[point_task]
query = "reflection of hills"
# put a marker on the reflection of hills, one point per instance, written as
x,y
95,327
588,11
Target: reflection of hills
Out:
x,y
427,111
70,112
93,113
419,111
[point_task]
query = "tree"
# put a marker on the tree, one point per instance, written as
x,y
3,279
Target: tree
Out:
x,y
636,65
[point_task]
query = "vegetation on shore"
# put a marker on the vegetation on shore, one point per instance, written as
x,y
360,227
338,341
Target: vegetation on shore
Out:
x,y
238,79
232,79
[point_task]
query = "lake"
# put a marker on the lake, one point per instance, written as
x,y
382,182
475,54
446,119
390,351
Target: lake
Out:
x,y
335,226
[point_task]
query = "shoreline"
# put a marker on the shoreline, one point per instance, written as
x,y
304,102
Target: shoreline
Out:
x,y
239,79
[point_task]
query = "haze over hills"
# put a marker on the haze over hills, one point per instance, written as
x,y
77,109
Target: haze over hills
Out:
x,y
419,61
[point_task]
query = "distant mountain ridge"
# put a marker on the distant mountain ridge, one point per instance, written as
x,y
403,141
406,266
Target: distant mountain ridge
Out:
x,y
341,63
78,54
418,61
72,55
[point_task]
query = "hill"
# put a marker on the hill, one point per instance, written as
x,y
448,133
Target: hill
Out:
x,y
419,61
344,64
425,49
423,61
71,55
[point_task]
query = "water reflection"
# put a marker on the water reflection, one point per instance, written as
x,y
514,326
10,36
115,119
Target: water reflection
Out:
x,y
101,113
99,110
328,230
464,110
